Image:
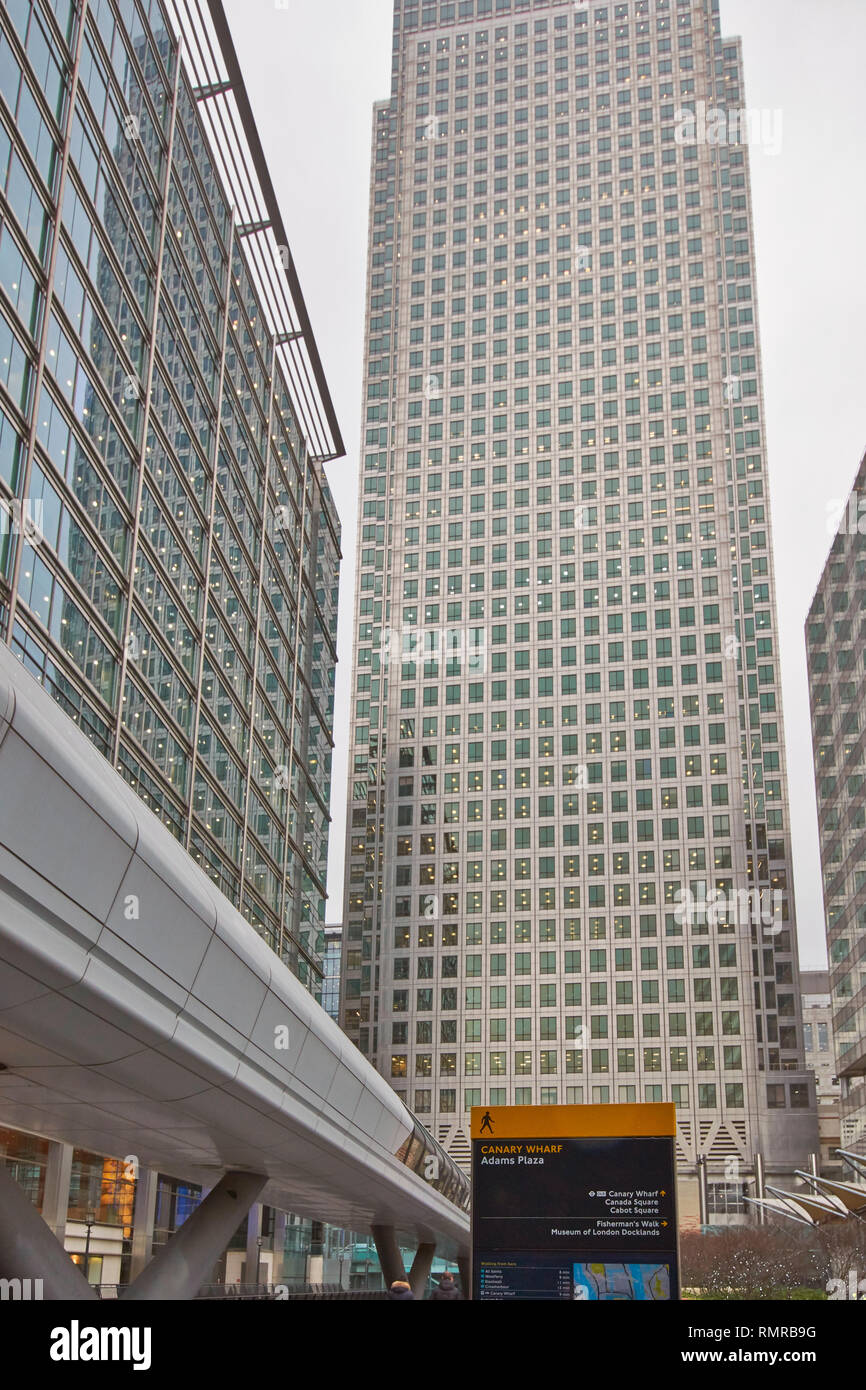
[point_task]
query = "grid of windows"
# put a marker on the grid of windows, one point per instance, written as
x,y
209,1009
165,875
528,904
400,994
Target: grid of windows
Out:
x,y
169,550
834,649
566,679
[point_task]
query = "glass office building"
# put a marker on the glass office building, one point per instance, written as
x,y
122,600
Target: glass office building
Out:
x,y
331,964
834,654
169,547
568,851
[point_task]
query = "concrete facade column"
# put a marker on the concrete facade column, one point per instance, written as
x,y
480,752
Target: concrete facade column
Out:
x,y
30,1250
421,1267
389,1254
254,1231
55,1203
316,1257
143,1220
281,1221
180,1268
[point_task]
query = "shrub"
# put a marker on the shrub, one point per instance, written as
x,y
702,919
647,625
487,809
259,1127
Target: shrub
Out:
x,y
770,1262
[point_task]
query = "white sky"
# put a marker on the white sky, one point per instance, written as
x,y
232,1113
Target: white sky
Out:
x,y
313,69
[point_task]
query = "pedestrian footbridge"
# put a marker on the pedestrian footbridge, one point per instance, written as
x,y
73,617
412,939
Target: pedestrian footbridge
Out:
x,y
140,1014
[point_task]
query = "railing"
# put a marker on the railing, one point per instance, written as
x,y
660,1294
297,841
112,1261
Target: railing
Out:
x,y
288,1292
265,1293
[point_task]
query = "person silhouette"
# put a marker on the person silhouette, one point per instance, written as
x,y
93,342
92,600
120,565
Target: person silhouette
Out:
x,y
485,1123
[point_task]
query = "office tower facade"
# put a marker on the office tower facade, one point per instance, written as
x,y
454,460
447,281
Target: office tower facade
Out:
x,y
169,548
568,765
821,1059
835,664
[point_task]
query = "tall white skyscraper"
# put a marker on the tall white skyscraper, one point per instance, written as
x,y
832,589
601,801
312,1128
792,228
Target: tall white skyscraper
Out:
x,y
568,778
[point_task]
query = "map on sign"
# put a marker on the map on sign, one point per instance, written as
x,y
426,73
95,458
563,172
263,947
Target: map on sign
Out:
x,y
622,1282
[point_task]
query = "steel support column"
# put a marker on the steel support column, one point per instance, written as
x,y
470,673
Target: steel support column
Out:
x,y
703,1190
30,1250
389,1254
183,1265
253,1260
465,1270
760,1189
55,1201
143,1219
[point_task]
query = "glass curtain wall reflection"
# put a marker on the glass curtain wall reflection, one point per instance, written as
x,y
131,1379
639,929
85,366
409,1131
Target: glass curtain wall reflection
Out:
x,y
169,547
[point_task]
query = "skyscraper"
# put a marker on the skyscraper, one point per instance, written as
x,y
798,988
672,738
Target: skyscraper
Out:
x,y
169,547
834,657
568,778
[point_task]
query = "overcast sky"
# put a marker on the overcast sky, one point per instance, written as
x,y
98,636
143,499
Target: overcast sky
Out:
x,y
313,69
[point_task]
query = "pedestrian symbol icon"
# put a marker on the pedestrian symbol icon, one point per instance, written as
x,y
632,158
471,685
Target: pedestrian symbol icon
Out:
x,y
486,1123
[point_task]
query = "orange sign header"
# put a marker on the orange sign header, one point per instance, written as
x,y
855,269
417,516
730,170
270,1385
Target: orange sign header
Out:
x,y
572,1121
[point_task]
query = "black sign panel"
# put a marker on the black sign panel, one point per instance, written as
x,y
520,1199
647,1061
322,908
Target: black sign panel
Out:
x,y
582,1219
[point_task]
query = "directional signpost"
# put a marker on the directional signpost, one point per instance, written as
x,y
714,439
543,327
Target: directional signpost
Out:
x,y
574,1202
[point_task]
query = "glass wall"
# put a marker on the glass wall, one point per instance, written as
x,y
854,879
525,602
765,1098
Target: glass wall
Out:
x,y
25,1158
169,548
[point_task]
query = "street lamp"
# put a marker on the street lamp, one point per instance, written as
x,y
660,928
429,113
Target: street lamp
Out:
x,y
259,1261
89,1221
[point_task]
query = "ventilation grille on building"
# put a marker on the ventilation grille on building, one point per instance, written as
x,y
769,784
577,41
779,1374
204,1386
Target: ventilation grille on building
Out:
x,y
724,1144
739,1129
456,1144
685,1152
